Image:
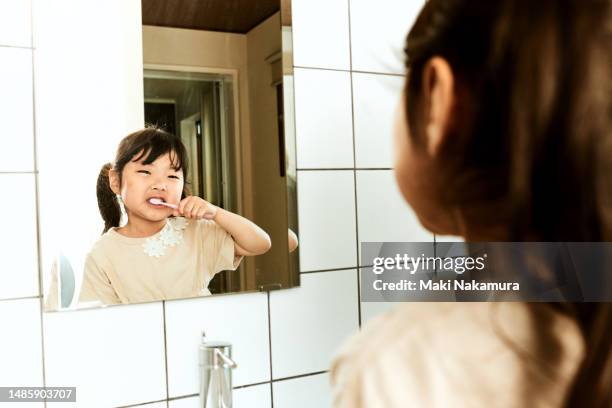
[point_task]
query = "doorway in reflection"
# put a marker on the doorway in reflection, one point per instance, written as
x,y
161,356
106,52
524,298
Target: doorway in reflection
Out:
x,y
197,107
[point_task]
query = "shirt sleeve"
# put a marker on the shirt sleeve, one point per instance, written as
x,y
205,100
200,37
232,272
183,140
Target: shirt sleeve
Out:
x,y
219,246
96,285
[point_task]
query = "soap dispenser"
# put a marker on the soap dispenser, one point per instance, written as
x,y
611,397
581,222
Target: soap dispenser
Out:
x,y
216,366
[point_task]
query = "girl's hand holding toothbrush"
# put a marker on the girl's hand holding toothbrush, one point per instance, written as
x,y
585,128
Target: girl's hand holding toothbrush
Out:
x,y
194,207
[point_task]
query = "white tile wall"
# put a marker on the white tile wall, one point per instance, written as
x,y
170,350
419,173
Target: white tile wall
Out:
x,y
258,396
15,23
19,268
326,214
310,322
324,130
114,356
382,213
119,355
20,343
375,99
303,392
324,44
16,106
239,319
378,32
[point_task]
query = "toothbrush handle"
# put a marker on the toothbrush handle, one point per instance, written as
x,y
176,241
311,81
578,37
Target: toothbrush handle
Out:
x,y
174,206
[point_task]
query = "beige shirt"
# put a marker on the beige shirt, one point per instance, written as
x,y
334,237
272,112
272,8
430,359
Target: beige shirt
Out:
x,y
177,262
459,355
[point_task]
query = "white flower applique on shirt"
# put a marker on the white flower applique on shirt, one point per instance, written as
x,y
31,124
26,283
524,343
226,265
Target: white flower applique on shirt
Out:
x,y
170,235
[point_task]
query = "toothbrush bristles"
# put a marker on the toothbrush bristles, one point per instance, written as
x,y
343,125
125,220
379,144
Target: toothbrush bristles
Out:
x,y
157,201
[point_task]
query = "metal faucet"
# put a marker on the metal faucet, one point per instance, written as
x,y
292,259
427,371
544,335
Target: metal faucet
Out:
x,y
216,373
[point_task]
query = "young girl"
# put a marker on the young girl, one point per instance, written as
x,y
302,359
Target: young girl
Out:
x,y
162,252
503,134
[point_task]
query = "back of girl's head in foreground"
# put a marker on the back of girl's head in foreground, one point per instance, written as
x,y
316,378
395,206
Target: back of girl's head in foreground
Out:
x,y
532,124
531,130
148,144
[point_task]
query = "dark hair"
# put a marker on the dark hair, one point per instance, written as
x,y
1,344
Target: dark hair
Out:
x,y
149,143
531,130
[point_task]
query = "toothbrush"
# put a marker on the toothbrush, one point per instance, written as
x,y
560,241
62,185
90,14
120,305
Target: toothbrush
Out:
x,y
157,201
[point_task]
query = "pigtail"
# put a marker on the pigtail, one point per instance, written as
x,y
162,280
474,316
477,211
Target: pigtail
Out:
x,y
107,200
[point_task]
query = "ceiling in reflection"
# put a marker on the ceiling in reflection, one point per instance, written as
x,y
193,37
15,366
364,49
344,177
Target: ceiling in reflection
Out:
x,y
234,16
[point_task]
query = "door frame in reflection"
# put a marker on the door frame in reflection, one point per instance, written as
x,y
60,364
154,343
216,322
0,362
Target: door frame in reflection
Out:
x,y
243,200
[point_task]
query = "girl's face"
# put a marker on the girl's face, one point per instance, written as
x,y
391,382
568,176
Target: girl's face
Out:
x,y
141,182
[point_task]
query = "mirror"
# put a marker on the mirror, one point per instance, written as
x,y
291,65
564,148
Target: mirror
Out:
x,y
217,80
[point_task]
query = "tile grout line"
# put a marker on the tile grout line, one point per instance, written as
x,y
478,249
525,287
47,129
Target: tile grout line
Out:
x,y
297,200
270,349
356,206
18,47
351,68
21,297
37,208
141,404
165,351
293,377
239,387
